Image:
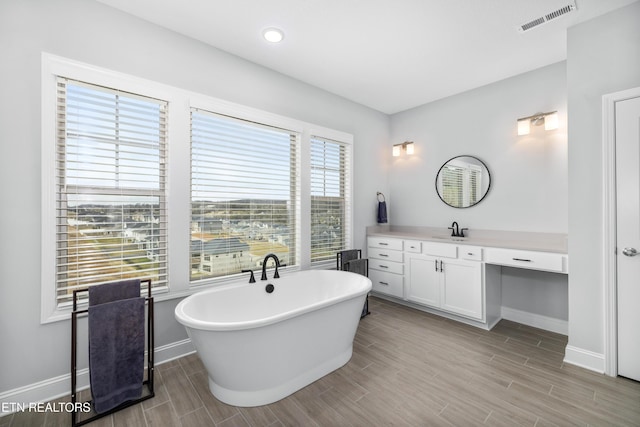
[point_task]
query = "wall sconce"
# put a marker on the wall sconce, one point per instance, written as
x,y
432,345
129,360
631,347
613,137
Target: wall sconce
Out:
x,y
407,146
550,121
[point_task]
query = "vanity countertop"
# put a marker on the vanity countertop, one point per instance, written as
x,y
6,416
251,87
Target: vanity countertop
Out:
x,y
523,240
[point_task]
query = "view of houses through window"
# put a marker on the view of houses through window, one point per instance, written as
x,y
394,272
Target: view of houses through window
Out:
x,y
112,210
244,195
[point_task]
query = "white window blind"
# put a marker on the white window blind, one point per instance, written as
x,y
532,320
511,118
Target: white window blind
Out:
x,y
244,195
110,187
330,204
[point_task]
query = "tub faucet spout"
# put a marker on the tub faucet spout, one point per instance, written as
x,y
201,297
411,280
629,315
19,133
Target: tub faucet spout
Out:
x,y
264,267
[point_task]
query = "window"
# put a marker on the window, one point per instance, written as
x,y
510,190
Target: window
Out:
x,y
244,197
110,187
242,182
330,207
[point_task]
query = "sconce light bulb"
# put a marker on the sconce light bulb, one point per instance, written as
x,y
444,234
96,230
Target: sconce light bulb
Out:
x,y
551,121
409,148
523,127
396,150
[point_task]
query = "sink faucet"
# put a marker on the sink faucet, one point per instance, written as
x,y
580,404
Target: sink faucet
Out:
x,y
455,231
264,267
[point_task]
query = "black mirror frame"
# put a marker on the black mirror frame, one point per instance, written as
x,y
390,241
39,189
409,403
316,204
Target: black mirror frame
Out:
x,y
483,196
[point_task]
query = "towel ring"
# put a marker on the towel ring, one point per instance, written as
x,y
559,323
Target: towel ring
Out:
x,y
380,194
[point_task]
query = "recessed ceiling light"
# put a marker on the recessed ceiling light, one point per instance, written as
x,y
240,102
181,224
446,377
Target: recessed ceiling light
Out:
x,y
273,35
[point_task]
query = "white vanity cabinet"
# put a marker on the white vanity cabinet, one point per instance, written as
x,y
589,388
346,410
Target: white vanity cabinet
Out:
x,y
439,277
533,260
386,265
461,279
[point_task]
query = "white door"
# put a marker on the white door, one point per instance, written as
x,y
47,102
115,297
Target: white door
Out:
x,y
627,127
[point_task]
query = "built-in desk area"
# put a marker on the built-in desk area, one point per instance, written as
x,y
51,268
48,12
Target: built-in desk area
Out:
x,y
459,278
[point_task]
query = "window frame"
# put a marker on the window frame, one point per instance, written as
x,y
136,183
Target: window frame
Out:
x,y
178,185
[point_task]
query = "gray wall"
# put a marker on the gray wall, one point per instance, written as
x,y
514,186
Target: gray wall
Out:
x,y
529,178
529,186
603,56
90,32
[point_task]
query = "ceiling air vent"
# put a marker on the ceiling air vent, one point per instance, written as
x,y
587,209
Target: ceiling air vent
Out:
x,y
547,17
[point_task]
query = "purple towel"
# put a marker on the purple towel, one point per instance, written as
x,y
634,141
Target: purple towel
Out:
x,y
108,292
346,256
359,266
116,352
116,343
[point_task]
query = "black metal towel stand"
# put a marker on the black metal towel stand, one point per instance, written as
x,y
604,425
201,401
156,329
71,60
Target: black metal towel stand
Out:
x,y
150,345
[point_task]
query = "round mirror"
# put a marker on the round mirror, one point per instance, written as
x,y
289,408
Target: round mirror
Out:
x,y
463,181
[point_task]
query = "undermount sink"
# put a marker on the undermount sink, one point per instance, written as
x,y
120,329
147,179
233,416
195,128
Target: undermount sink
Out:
x,y
452,238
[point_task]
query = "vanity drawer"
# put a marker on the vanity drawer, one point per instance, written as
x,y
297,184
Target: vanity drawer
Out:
x,y
440,249
385,254
388,266
413,246
546,261
387,283
386,243
473,253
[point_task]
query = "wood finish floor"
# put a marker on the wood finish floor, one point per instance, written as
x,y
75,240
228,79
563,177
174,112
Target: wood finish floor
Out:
x,y
409,368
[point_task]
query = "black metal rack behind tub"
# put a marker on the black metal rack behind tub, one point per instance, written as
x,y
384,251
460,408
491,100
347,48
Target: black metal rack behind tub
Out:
x,y
150,346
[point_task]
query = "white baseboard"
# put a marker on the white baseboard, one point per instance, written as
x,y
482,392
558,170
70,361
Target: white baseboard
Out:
x,y
584,358
172,351
56,387
572,355
536,320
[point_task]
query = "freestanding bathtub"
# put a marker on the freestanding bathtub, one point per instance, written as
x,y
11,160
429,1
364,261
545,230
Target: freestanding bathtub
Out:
x,y
260,347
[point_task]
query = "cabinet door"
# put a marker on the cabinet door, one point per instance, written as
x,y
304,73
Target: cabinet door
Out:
x,y
462,290
424,281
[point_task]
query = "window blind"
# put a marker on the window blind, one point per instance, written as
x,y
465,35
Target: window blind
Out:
x,y
244,195
461,185
452,185
329,199
110,181
474,188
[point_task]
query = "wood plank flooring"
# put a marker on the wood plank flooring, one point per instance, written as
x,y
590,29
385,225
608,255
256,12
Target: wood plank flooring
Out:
x,y
409,368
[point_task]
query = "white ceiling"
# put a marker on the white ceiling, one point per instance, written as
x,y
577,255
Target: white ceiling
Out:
x,y
390,55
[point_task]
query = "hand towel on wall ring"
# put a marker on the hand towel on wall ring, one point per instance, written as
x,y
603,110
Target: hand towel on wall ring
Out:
x,y
382,209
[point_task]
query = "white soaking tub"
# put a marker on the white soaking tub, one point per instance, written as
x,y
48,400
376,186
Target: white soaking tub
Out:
x,y
260,347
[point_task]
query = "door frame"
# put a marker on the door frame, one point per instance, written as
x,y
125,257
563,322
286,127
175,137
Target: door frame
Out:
x,y
609,225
